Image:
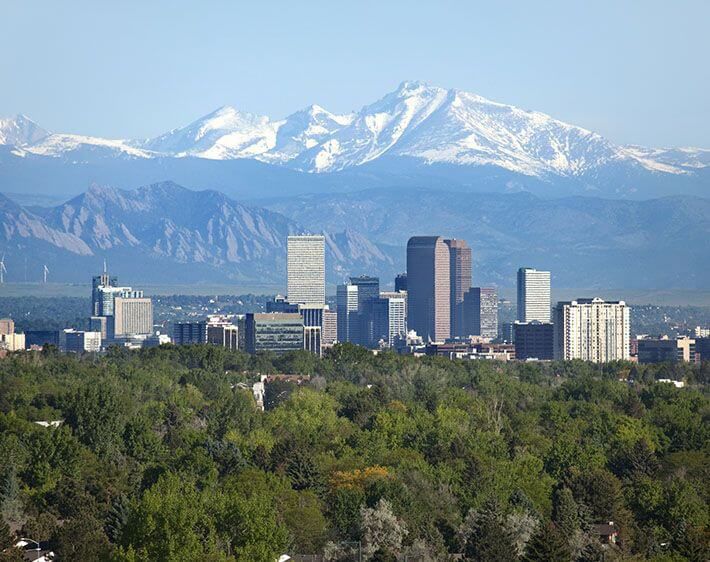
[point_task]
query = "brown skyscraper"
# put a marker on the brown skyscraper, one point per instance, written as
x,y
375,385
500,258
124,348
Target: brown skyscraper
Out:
x,y
429,287
460,274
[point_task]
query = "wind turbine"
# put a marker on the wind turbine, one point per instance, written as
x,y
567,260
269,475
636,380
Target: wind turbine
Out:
x,y
3,270
45,271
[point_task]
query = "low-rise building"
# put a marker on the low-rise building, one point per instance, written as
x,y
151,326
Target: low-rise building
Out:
x,y
277,332
665,349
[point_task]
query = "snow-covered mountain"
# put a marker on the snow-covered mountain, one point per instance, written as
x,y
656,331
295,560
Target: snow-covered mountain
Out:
x,y
418,134
20,131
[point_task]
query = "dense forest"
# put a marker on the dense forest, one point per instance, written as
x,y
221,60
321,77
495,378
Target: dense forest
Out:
x,y
164,455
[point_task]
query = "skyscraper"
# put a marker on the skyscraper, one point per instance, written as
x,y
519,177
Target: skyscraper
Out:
x,y
533,295
368,291
481,312
592,330
400,282
346,306
460,274
429,287
98,281
306,269
389,318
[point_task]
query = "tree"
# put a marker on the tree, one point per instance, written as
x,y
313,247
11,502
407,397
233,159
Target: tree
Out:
x,y
548,545
485,535
81,538
565,512
303,516
7,539
95,411
170,523
382,531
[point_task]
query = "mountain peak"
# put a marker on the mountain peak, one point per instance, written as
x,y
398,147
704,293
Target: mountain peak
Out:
x,y
20,131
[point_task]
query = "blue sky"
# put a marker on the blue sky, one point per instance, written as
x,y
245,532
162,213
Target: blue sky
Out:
x,y
637,71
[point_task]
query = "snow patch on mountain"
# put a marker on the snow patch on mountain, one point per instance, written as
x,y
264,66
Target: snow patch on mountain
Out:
x,y
20,130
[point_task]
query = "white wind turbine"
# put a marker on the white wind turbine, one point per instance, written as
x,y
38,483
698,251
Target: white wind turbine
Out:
x,y
3,270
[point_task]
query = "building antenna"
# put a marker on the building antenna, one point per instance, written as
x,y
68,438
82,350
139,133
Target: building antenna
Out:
x,y
3,270
45,271
105,267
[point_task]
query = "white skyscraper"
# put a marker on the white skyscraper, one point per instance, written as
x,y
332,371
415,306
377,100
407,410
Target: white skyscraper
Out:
x,y
533,295
306,269
347,305
592,330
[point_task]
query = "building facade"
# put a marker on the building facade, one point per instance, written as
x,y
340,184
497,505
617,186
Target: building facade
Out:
x,y
131,316
662,350
429,287
534,340
400,282
306,269
592,330
460,275
533,295
346,299
275,332
76,341
481,312
389,318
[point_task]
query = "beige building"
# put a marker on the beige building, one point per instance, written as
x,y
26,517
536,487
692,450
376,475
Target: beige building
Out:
x,y
592,330
132,316
7,326
12,341
306,269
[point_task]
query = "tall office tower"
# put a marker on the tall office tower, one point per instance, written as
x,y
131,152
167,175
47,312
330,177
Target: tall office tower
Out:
x,y
185,333
389,318
368,291
481,312
131,316
346,305
592,330
313,327
400,282
429,287
460,274
533,295
306,269
103,280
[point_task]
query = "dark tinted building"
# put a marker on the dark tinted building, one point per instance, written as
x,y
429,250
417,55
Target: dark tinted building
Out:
x,y
481,312
534,340
275,332
400,282
429,287
41,338
460,277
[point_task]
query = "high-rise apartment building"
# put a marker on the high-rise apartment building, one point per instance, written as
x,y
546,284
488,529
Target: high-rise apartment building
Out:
x,y
306,269
481,312
429,287
131,316
533,295
592,330
346,302
460,275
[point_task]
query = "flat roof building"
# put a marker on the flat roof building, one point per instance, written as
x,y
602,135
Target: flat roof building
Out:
x,y
429,287
306,269
276,332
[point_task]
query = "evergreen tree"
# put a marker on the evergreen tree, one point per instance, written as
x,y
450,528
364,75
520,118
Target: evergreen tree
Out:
x,y
548,545
486,536
565,513
6,538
